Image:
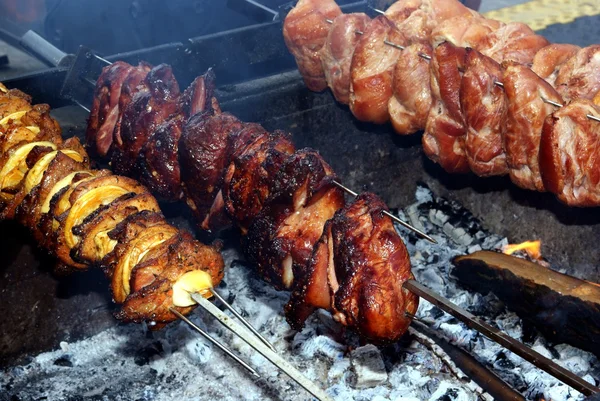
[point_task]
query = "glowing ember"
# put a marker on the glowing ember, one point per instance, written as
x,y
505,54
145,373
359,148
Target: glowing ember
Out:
x,y
532,248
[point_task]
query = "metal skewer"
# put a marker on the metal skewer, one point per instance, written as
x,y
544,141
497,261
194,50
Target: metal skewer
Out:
x,y
215,342
241,319
473,322
396,219
274,358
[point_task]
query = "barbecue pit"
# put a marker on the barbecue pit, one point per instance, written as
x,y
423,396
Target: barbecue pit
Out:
x,y
372,158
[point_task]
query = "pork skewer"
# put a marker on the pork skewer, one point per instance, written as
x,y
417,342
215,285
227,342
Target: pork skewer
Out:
x,y
336,243
91,217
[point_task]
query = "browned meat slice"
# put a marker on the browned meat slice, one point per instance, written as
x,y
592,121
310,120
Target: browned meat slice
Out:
x,y
464,30
39,117
249,177
152,302
410,105
484,106
444,137
570,155
336,54
158,160
281,239
357,272
105,107
94,243
199,95
305,30
372,71
579,77
549,59
525,118
416,19
371,265
13,101
133,84
205,153
514,41
141,117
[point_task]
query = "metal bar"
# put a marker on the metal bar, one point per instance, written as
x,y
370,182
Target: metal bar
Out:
x,y
215,342
252,341
241,319
503,339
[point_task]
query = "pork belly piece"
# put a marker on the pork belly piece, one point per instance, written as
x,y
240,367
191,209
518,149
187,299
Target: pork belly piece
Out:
x,y
204,154
13,101
526,113
249,177
336,54
444,137
142,116
357,272
570,155
152,302
305,31
157,163
484,107
105,106
514,41
372,71
549,59
411,102
199,95
464,30
133,84
417,19
579,76
281,239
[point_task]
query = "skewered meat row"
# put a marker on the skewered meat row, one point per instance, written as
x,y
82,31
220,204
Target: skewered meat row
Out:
x,y
87,217
446,80
296,227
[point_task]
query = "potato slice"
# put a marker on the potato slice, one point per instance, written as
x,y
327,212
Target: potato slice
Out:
x,y
58,186
94,242
134,253
195,281
35,174
13,116
15,167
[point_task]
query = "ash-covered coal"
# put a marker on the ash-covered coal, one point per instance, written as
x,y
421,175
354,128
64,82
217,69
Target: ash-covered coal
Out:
x,y
127,362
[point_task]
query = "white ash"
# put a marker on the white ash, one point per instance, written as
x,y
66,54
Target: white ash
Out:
x,y
127,362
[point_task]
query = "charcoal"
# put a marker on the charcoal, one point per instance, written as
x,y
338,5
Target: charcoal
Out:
x,y
368,367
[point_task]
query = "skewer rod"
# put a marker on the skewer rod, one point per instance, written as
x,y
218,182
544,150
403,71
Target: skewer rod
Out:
x,y
215,342
396,219
241,319
252,341
503,339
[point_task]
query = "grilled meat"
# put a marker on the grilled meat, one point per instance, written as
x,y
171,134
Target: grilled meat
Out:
x,y
336,54
548,61
204,153
372,71
305,31
514,41
281,239
77,214
361,265
569,154
525,118
247,182
579,76
444,137
484,108
411,102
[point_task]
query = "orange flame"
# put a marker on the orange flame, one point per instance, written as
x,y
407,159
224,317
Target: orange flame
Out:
x,y
532,248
